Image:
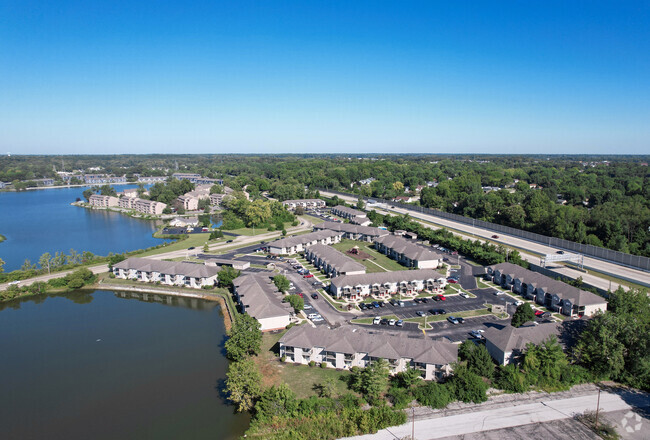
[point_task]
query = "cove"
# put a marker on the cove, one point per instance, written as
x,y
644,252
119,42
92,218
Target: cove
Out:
x,y
95,365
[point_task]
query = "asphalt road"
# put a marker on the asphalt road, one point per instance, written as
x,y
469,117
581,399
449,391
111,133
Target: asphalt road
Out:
x,y
473,232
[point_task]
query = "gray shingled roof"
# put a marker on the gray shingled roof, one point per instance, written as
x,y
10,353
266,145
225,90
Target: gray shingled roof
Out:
x,y
338,260
303,239
563,290
386,277
168,267
350,339
409,249
260,296
349,211
352,229
510,338
359,220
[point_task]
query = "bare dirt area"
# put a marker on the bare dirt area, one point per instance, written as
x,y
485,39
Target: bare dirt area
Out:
x,y
359,255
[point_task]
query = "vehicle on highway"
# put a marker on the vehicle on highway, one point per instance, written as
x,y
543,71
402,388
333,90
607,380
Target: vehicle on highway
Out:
x,y
376,321
308,276
478,334
560,252
399,323
314,295
495,236
391,322
452,320
539,312
420,313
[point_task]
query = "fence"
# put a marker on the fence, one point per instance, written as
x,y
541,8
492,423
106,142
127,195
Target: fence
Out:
x,y
635,261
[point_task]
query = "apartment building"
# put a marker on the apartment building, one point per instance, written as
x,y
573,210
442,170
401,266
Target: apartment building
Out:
x,y
100,201
148,206
188,203
353,232
170,273
350,346
386,283
408,253
332,262
507,344
258,296
294,245
305,203
554,294
361,221
345,212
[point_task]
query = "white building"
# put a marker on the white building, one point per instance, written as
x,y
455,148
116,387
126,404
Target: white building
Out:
x,y
100,201
507,344
407,252
170,273
353,232
386,283
294,245
332,262
258,296
305,203
349,346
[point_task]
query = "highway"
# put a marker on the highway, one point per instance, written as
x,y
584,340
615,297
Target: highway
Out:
x,y
534,249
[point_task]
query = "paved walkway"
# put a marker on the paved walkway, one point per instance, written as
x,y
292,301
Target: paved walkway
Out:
x,y
505,417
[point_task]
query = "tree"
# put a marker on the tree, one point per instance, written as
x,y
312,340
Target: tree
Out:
x,y
299,210
296,302
2,263
245,338
227,275
360,204
27,265
206,248
243,381
75,283
408,377
216,189
281,282
277,401
87,193
522,315
543,363
372,380
477,357
45,261
467,386
107,190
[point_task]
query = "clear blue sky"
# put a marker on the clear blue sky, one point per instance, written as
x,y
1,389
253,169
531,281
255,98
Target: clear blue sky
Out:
x,y
305,76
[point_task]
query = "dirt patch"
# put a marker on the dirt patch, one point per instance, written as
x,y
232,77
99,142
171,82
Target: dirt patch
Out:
x,y
270,370
360,255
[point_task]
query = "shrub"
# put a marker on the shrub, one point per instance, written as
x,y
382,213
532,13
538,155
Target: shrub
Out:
x,y
433,394
323,364
312,363
399,397
510,378
283,359
75,283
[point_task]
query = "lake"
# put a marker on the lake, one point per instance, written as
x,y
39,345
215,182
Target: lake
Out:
x,y
39,221
98,366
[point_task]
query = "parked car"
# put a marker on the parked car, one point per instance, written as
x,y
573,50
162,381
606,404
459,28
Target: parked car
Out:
x,y
393,302
313,315
452,320
391,322
376,321
464,295
308,276
546,315
498,292
460,320
300,294
401,303
318,319
416,300
384,322
375,304
420,313
560,252
495,236
363,306
441,298
478,334
190,248
399,323
382,304
539,312
424,300
307,307
314,295
518,303
228,241
452,281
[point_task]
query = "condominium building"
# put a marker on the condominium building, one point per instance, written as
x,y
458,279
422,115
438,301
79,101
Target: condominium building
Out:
x,y
149,206
189,203
345,212
350,346
361,221
554,294
305,203
332,262
507,344
353,232
100,201
386,283
258,296
408,253
294,245
170,273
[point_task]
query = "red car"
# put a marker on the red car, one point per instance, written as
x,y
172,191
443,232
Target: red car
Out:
x,y
308,276
442,298
452,281
538,313
299,294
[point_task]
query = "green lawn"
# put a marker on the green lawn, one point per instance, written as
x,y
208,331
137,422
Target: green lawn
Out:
x,y
196,240
379,258
313,220
251,231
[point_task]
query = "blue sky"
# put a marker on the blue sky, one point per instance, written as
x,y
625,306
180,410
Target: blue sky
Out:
x,y
306,76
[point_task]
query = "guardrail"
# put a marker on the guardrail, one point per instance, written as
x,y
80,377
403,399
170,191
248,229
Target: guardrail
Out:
x,y
635,261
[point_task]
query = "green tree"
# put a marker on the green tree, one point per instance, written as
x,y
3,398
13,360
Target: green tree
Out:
x,y
467,386
75,283
296,302
372,380
45,261
216,189
2,263
477,357
226,276
243,384
544,363
277,401
299,210
408,377
360,204
281,282
107,190
522,315
245,338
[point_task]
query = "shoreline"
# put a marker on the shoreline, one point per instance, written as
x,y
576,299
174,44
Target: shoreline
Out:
x,y
78,185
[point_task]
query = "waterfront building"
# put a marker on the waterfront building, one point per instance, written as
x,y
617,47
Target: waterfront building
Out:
x,y
100,201
258,296
171,273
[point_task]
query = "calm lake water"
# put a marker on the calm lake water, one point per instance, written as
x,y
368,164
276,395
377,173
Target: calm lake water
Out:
x,y
98,366
40,221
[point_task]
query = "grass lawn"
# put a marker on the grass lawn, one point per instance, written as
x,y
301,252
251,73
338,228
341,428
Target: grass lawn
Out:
x,y
313,220
196,240
379,258
250,231
300,378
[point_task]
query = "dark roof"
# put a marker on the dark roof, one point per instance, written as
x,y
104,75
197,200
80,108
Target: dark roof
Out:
x,y
563,290
351,339
349,211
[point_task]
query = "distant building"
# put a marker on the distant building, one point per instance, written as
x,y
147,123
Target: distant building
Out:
x,y
197,178
408,253
386,283
554,294
43,182
171,273
103,178
507,344
148,206
305,203
350,346
188,203
353,232
100,201
258,296
361,221
404,199
235,264
345,212
183,222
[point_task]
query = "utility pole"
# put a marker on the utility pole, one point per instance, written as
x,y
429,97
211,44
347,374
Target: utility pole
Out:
x,y
597,408
413,425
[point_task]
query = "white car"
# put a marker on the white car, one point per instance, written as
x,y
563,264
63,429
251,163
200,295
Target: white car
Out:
x,y
313,316
307,307
318,319
498,292
14,283
518,303
392,322
376,321
464,295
